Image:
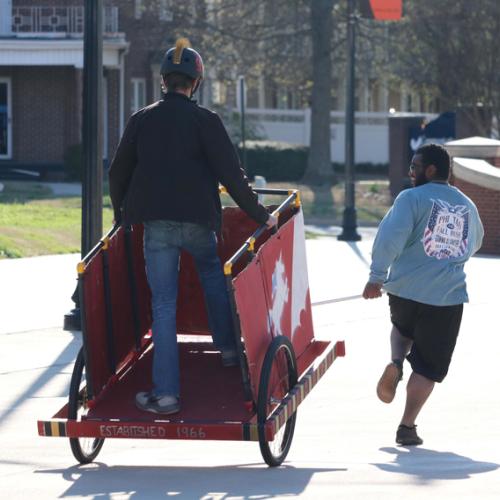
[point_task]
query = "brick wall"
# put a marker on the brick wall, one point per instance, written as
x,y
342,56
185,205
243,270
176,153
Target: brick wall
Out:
x,y
43,121
113,77
494,161
488,204
47,101
47,112
45,3
148,37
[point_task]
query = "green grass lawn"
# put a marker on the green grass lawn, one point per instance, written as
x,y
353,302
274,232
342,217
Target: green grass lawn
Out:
x,y
325,204
33,221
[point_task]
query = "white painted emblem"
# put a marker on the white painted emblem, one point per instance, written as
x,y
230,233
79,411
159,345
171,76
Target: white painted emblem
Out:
x,y
280,291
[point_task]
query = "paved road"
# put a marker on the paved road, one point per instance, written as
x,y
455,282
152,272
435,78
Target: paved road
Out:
x,y
344,441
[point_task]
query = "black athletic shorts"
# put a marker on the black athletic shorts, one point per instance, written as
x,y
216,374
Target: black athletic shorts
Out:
x,y
434,331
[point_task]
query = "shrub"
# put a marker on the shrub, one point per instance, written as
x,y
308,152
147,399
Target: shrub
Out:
x,y
232,121
276,161
282,161
73,162
364,168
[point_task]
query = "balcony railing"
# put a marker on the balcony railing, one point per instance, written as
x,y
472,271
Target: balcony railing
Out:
x,y
57,20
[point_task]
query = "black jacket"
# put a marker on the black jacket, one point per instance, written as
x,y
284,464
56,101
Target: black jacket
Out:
x,y
168,165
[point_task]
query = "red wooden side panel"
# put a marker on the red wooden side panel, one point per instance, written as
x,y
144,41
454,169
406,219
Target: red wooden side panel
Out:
x,y
286,282
121,305
272,296
252,306
95,323
236,229
191,310
123,322
143,292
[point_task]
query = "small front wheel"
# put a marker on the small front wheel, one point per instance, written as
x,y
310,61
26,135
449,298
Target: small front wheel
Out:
x,y
278,377
84,449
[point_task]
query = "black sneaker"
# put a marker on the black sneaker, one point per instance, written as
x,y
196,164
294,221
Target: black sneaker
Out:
x,y
164,405
386,387
407,436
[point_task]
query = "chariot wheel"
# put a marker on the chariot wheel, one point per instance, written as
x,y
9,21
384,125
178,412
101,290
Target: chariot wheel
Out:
x,y
84,449
278,377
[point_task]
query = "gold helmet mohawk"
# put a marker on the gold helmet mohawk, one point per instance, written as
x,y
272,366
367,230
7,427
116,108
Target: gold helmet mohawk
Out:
x,y
180,45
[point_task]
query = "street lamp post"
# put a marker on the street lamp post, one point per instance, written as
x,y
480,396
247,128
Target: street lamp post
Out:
x,y
349,225
242,92
92,126
92,141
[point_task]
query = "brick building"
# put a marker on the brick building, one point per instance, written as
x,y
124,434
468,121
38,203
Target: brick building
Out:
x,y
476,172
41,66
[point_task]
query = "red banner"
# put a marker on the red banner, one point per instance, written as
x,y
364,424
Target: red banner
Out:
x,y
382,10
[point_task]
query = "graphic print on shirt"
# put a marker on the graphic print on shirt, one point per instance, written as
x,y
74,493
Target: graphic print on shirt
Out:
x,y
447,230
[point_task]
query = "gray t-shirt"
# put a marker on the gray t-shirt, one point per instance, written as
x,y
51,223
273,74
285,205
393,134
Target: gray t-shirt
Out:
x,y
424,241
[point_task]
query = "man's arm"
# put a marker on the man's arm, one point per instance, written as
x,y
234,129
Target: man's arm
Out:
x,y
224,162
372,290
122,167
479,232
392,237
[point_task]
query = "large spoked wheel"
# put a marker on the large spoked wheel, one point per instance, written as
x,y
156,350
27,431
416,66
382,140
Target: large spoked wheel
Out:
x,y
278,376
84,449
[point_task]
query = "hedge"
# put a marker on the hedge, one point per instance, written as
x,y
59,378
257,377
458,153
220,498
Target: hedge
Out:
x,y
281,161
276,161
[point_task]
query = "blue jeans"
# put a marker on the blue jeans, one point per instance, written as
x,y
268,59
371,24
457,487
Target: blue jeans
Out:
x,y
163,241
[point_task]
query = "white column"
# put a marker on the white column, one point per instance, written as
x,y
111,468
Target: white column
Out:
x,y
262,92
403,100
5,17
121,92
307,126
241,104
366,93
384,89
105,118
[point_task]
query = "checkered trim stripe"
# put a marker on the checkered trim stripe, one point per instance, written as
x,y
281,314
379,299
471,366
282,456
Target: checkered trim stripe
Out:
x,y
303,387
53,428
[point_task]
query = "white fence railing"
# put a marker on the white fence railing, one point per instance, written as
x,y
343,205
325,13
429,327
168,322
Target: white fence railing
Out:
x,y
57,20
294,126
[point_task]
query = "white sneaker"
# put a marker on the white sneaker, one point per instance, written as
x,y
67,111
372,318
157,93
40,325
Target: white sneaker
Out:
x,y
165,405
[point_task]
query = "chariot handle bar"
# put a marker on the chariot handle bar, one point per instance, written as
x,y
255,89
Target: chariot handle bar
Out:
x,y
293,197
101,244
248,248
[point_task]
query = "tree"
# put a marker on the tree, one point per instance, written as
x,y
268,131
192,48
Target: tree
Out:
x,y
286,42
449,50
319,167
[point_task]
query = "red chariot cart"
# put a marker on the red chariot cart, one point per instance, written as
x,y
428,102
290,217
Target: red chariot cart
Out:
x,y
280,360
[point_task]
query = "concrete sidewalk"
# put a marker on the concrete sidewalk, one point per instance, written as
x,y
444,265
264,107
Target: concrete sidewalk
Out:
x,y
344,440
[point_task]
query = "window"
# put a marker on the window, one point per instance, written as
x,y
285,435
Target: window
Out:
x,y
157,92
164,12
138,100
5,119
138,9
219,93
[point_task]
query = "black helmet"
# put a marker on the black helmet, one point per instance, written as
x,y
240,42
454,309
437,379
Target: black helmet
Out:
x,y
182,59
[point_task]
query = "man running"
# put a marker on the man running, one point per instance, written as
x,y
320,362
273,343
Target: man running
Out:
x,y
423,243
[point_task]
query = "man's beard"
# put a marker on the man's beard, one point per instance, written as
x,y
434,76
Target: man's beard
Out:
x,y
420,180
